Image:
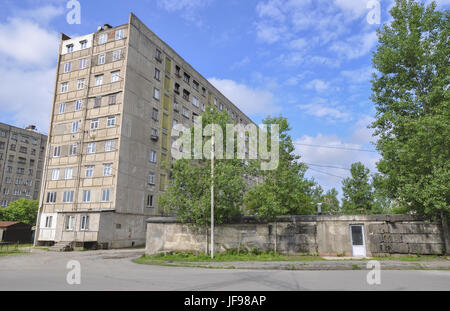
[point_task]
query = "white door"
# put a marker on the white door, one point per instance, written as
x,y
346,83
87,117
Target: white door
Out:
x,y
357,238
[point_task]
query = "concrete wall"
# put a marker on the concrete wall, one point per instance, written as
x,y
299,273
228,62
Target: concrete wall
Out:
x,y
323,235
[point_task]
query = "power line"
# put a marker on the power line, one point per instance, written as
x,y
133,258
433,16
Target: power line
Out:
x,y
335,147
327,173
329,166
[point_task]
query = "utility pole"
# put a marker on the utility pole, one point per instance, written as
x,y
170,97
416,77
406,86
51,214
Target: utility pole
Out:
x,y
212,193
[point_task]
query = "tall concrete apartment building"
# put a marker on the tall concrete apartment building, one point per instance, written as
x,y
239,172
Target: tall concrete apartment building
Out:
x,y
22,153
118,93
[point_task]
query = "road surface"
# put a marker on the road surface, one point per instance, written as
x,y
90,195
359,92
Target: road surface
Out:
x,y
114,270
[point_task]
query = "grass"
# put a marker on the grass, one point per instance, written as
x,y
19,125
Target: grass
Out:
x,y
229,256
411,258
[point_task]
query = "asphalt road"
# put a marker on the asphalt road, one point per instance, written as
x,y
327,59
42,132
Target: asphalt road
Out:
x,y
114,270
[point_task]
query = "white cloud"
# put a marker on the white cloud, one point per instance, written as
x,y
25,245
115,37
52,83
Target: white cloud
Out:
x,y
355,8
307,147
356,46
320,108
318,85
360,75
298,44
187,8
27,64
26,42
269,34
251,101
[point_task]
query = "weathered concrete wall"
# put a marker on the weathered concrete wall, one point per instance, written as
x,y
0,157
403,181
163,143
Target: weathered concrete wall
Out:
x,y
323,235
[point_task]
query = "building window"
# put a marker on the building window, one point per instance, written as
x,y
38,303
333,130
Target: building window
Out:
x,y
186,94
105,195
62,108
69,48
73,149
82,63
112,99
186,78
156,93
51,197
103,38
68,173
91,147
151,179
98,80
94,124
150,200
83,44
155,114
110,145
107,169
97,101
111,121
86,196
153,156
120,34
48,221
116,55
157,74
67,67
12,147
89,171
70,219
84,222
4,203
75,126
115,75
220,106
78,105
195,85
185,112
158,55
80,84
55,174
68,196
195,101
56,151
64,87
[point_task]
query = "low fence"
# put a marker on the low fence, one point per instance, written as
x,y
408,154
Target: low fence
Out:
x,y
321,235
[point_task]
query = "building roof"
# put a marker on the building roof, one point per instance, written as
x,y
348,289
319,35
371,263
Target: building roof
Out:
x,y
5,224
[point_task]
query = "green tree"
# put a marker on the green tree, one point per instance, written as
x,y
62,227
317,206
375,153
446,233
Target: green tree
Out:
x,y
330,203
189,192
22,210
411,95
357,191
285,190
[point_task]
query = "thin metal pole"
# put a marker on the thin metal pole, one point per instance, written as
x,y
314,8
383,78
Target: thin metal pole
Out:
x,y
212,195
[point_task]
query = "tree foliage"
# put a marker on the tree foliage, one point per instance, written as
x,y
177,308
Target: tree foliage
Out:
x,y
411,95
22,210
358,191
285,190
189,192
330,203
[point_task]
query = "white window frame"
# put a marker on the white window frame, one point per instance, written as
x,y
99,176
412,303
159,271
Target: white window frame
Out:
x,y
82,63
98,80
75,126
91,148
89,171
55,174
117,54
78,105
110,145
64,87
156,93
115,76
94,124
68,173
67,67
106,193
120,34
107,169
101,59
153,156
68,196
80,84
73,149
86,196
62,108
111,121
56,151
70,220
102,38
84,224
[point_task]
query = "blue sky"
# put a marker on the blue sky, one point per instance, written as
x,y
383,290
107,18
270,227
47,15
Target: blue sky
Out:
x,y
309,60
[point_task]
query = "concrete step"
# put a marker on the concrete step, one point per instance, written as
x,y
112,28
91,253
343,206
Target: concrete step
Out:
x,y
62,247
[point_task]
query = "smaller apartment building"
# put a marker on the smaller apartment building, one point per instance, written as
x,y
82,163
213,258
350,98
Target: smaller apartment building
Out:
x,y
22,153
119,91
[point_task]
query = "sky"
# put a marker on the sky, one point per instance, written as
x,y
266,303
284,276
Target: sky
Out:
x,y
307,60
